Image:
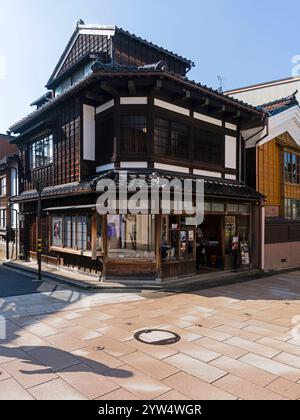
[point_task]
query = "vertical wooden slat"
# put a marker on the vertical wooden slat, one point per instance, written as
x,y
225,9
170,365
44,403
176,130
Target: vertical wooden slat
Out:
x,y
158,221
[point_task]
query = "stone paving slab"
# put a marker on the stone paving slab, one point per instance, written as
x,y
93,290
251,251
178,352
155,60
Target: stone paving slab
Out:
x,y
237,342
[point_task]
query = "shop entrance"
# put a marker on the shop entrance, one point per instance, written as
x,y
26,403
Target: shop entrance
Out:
x,y
222,243
209,244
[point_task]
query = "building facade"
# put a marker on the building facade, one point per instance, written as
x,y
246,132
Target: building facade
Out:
x,y
263,93
8,188
273,167
110,111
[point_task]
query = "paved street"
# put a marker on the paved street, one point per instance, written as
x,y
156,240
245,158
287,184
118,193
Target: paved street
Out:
x,y
236,343
16,283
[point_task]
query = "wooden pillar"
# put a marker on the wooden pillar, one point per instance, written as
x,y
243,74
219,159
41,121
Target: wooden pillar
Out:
x,y
117,129
94,236
222,236
151,128
158,246
104,245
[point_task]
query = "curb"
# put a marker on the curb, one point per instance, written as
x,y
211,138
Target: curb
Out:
x,y
88,288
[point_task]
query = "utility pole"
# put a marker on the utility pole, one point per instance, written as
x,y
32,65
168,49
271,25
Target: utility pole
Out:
x,y
39,186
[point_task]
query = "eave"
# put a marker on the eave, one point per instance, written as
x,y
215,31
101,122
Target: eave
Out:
x,y
285,122
109,73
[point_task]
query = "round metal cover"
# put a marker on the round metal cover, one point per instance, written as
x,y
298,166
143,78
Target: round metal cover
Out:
x,y
157,337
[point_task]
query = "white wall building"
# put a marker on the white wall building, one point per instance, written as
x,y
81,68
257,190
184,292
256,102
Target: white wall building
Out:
x,y
267,92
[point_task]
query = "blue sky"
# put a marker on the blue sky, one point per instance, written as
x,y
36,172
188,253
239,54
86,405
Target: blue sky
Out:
x,y
244,41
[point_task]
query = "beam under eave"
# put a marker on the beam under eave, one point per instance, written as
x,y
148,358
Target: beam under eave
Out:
x,y
94,97
222,110
238,114
180,98
158,85
206,103
131,88
109,89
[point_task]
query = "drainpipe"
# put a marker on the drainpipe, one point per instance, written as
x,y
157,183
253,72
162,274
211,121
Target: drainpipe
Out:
x,y
255,134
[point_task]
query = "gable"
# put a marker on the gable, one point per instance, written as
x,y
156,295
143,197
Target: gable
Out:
x,y
98,38
83,40
287,140
85,44
285,122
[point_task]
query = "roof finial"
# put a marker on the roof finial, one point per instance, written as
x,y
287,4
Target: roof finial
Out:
x,y
80,22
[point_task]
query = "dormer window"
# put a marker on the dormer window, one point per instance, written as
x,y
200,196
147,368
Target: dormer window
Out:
x,y
41,152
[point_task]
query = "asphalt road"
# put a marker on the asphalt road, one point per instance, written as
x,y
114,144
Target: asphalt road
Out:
x,y
14,283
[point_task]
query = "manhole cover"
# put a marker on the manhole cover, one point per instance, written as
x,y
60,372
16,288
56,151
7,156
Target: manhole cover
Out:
x,y
157,337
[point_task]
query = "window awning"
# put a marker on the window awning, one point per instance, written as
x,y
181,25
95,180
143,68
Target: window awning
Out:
x,y
86,206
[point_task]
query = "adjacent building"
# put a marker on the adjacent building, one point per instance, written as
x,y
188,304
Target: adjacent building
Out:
x,y
117,103
273,168
8,188
263,93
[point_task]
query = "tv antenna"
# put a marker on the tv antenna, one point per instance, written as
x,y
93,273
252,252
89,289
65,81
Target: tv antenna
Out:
x,y
221,83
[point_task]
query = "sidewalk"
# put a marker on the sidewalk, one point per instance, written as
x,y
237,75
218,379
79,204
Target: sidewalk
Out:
x,y
237,342
80,280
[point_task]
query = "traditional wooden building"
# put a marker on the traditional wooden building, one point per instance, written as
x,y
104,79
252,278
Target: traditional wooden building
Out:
x,y
273,167
109,109
8,188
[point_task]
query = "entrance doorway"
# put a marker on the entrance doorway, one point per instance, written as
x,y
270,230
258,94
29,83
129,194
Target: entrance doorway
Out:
x,y
209,246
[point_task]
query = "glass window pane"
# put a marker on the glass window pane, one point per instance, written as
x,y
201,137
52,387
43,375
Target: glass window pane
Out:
x,y
41,152
209,147
232,208
3,218
207,207
244,208
99,234
74,233
68,232
134,133
218,207
3,186
131,237
57,224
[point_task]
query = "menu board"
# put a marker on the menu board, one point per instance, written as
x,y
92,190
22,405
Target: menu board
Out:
x,y
245,254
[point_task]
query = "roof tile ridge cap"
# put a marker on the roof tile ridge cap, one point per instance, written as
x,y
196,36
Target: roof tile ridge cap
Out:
x,y
284,98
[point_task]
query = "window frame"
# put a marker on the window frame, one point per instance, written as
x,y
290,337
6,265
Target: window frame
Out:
x,y
124,234
41,149
3,218
291,167
75,235
169,141
292,209
3,188
134,133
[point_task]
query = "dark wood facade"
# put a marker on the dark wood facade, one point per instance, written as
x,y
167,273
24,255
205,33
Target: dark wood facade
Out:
x,y
8,168
144,119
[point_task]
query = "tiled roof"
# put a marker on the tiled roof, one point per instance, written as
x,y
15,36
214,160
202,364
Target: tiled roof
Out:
x,y
101,70
4,161
212,187
280,105
57,190
164,50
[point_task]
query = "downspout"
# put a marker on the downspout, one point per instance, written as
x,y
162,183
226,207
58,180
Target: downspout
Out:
x,y
258,141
